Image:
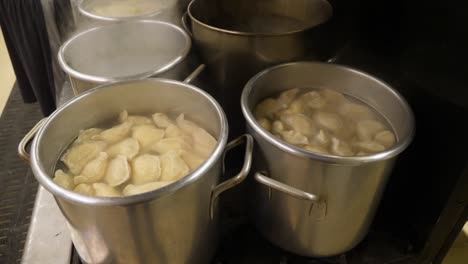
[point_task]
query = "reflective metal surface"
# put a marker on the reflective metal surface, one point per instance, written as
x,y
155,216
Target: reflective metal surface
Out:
x,y
348,188
124,51
168,225
235,40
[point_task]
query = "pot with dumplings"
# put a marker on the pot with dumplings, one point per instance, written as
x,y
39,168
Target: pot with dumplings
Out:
x,y
327,138
136,168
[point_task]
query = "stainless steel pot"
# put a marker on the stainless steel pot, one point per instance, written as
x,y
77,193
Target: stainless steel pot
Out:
x,y
174,224
314,204
125,51
237,39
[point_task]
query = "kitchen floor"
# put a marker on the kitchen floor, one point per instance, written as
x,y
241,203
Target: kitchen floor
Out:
x,y
458,254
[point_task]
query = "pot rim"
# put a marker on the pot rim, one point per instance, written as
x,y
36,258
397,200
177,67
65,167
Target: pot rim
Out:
x,y
47,182
102,80
256,34
400,146
89,14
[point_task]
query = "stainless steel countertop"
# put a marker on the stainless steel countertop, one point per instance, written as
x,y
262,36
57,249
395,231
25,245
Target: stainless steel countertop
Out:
x,y
48,239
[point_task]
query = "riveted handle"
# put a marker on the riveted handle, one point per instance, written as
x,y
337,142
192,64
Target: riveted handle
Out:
x,y
284,188
22,152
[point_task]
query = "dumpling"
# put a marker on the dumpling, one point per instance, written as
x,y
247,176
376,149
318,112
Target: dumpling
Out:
x,y
84,189
369,146
295,138
203,142
287,97
64,180
340,148
316,149
193,160
137,189
128,147
135,119
171,144
356,111
161,120
267,108
173,167
87,134
386,138
314,100
299,123
115,134
265,123
330,121
118,171
277,127
93,171
104,190
333,97
147,135
367,129
146,168
80,155
321,138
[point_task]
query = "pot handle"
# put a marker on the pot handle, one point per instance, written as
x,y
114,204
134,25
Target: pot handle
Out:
x,y
228,184
22,152
185,25
284,188
195,73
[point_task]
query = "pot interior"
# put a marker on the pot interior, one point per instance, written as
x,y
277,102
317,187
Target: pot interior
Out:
x,y
358,85
263,17
132,49
102,105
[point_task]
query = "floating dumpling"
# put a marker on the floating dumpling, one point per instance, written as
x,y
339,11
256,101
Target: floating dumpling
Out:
x,y
135,119
64,180
128,147
80,155
267,108
146,168
87,134
277,127
322,138
340,148
294,137
93,171
104,190
118,171
173,167
203,142
171,144
84,189
161,120
333,97
313,100
329,121
386,138
299,123
356,111
193,160
367,129
287,97
147,135
265,123
115,134
138,189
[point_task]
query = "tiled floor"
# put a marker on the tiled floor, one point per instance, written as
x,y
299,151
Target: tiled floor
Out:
x,y
7,76
457,255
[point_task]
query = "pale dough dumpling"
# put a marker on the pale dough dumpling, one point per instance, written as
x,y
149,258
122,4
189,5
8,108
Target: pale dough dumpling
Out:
x,y
333,97
294,137
135,119
146,168
147,135
203,142
115,134
193,160
314,100
87,134
287,97
322,138
64,180
386,138
356,111
79,155
299,123
84,189
267,108
265,123
340,148
128,147
104,190
171,144
173,167
329,121
277,127
93,171
118,171
161,120
367,129
138,189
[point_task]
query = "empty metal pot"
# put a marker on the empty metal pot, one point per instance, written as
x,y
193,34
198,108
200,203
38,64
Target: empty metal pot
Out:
x,y
237,39
174,224
316,204
125,51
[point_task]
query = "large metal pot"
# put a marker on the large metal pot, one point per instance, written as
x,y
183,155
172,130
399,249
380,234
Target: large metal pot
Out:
x,y
125,51
314,204
174,224
237,39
